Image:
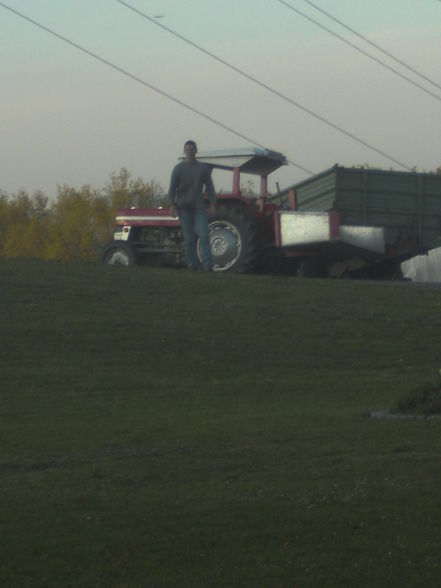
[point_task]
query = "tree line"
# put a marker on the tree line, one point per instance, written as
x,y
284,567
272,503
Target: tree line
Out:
x,y
74,226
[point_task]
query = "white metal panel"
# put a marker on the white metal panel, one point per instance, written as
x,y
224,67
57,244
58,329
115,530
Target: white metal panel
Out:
x,y
298,228
144,217
370,238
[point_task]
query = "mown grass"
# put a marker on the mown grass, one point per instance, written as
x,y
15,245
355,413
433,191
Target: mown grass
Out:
x,y
163,429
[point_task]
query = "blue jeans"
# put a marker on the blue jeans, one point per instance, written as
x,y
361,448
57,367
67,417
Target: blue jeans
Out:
x,y
194,224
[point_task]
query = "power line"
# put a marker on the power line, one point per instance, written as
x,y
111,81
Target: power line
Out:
x,y
388,67
265,86
347,27
143,82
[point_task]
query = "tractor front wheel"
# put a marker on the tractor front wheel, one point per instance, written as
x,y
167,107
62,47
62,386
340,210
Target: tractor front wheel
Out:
x,y
233,239
119,253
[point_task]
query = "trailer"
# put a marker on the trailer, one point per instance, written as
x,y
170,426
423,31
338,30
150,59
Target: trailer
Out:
x,y
400,209
344,221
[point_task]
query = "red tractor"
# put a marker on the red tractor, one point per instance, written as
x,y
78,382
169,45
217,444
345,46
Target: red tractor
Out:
x,y
241,229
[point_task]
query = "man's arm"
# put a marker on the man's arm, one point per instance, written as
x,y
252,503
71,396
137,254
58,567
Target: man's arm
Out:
x,y
172,193
211,193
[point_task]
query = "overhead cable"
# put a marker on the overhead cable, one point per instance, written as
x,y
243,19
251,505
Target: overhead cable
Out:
x,y
266,87
385,65
143,82
375,45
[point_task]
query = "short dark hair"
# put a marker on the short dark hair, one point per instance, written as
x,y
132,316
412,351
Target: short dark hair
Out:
x,y
190,142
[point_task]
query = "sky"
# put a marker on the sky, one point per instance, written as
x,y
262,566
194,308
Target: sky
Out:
x,y
67,118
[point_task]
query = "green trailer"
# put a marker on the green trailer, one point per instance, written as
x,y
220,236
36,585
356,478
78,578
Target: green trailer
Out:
x,y
402,209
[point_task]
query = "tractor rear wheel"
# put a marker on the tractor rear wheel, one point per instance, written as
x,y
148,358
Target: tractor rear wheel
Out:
x,y
119,253
233,239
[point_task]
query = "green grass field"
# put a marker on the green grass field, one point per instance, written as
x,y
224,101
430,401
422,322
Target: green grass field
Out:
x,y
161,428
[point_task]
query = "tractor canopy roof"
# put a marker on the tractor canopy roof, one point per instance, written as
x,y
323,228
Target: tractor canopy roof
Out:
x,y
250,160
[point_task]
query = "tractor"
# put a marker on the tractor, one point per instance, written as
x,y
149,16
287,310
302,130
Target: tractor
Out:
x,y
241,230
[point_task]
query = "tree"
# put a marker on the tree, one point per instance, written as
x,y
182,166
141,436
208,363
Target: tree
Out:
x,y
77,225
123,191
82,223
23,224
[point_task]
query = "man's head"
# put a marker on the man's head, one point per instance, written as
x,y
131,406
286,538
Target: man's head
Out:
x,y
190,150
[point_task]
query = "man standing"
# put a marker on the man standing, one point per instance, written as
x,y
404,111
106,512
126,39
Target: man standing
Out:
x,y
186,196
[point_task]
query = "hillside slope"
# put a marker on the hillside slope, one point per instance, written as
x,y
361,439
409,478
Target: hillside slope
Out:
x,y
167,428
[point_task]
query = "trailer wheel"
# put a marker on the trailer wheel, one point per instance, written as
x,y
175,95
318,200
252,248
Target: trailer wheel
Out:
x,y
233,239
119,253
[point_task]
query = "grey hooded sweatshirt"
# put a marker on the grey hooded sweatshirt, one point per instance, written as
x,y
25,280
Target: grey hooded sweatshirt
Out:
x,y
187,185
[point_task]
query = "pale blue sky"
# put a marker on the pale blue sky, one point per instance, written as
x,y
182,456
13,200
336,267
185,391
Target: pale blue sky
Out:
x,y
67,118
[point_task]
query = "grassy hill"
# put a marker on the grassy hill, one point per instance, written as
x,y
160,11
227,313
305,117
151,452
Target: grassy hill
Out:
x,y
162,428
